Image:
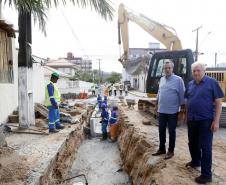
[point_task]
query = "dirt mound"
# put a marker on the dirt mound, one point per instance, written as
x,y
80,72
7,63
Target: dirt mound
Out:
x,y
13,168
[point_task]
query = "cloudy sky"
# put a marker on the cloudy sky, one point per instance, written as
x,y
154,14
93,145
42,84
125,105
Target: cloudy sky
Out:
x,y
85,33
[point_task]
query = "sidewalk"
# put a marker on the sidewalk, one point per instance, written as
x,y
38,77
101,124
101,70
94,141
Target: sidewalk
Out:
x,y
40,159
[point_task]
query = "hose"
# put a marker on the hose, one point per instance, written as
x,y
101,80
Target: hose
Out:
x,y
76,177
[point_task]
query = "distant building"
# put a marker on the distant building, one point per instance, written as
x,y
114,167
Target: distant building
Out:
x,y
64,66
221,65
84,64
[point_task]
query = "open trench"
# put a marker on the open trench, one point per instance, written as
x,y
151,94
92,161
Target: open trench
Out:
x,y
127,161
102,162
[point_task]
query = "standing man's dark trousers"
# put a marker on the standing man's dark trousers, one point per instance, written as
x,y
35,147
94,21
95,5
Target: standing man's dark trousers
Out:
x,y
169,120
115,92
110,92
200,139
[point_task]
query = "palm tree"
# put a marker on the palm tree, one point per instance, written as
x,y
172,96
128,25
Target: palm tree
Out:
x,y
37,9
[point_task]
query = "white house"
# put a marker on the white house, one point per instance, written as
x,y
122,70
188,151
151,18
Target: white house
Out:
x,y
65,82
64,66
8,71
136,70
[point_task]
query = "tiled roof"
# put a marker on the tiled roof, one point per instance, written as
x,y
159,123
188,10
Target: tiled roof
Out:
x,y
61,63
48,71
7,28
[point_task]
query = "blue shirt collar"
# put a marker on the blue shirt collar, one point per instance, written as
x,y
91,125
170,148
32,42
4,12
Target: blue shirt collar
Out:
x,y
171,76
203,80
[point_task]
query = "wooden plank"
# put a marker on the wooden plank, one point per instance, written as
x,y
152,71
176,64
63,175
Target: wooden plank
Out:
x,y
41,109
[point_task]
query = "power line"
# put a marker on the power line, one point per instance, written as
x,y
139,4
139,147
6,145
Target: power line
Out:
x,y
201,43
74,34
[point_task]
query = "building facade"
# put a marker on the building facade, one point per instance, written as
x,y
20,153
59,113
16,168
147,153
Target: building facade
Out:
x,y
64,66
137,69
85,64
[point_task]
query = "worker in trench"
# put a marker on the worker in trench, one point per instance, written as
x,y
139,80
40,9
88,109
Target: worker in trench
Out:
x,y
204,108
104,121
105,101
169,99
113,121
52,101
99,101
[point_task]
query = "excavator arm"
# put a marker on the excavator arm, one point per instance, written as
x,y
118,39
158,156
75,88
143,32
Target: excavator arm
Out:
x,y
155,29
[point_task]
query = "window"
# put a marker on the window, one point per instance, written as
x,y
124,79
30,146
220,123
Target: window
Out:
x,y
159,72
6,62
182,66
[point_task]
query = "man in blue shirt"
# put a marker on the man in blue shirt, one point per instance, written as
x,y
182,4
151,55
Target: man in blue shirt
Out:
x,y
170,97
203,114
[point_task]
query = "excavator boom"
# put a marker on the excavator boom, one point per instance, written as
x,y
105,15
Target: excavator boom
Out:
x,y
155,29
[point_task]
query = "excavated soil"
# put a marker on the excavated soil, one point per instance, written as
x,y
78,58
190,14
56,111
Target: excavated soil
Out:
x,y
137,142
13,168
61,164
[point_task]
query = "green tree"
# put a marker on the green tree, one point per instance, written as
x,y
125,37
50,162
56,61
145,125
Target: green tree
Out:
x,y
115,77
37,8
86,77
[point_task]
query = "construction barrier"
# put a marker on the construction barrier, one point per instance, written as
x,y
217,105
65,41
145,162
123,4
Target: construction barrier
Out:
x,y
83,95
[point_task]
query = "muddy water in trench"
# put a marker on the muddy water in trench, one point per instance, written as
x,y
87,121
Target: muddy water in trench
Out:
x,y
100,162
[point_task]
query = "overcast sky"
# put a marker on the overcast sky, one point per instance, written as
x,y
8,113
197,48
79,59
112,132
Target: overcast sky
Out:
x,y
84,32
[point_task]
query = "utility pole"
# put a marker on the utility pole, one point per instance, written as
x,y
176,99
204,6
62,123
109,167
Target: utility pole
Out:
x,y
99,69
1,11
197,42
25,71
215,59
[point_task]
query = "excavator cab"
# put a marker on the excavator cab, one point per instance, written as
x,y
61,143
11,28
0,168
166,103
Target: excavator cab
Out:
x,y
182,60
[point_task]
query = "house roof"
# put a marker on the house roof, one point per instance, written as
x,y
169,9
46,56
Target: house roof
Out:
x,y
38,59
49,70
61,63
219,69
7,28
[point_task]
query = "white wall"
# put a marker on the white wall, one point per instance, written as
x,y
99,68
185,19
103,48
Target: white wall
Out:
x,y
38,83
125,76
85,86
9,92
142,82
67,86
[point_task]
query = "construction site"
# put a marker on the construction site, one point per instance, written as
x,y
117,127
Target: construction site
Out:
x,y
76,154
68,134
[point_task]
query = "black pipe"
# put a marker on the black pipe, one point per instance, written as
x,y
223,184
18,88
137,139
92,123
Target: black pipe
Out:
x,y
76,177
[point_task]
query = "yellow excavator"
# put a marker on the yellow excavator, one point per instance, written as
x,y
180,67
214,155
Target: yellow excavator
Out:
x,y
182,58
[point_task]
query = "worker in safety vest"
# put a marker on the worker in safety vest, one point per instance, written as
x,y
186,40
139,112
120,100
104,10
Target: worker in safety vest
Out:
x,y
120,89
93,89
52,101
